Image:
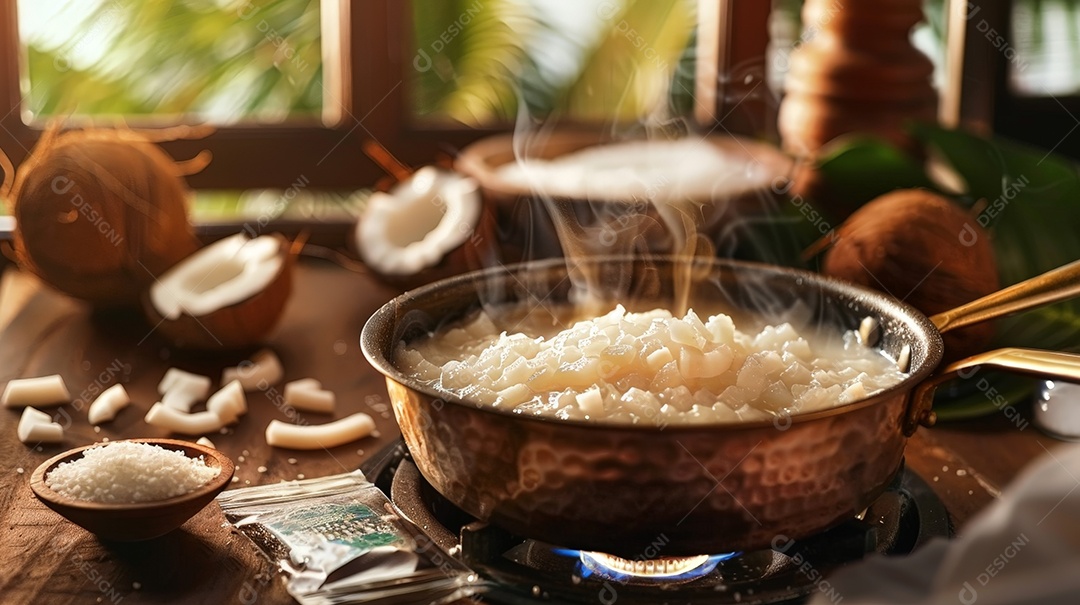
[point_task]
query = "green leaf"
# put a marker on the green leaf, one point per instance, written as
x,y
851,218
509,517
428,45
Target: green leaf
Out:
x,y
1032,236
777,237
966,401
860,168
1029,200
1003,171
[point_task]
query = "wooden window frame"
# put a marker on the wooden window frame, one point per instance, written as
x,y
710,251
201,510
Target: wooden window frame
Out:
x,y
368,101
727,50
978,95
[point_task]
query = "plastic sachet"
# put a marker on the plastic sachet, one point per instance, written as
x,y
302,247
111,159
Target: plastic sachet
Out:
x,y
340,540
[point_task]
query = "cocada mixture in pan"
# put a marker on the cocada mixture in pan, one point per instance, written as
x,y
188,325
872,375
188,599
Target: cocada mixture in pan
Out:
x,y
648,367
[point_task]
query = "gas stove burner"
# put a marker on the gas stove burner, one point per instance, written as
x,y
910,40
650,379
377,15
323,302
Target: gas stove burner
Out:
x,y
663,569
524,571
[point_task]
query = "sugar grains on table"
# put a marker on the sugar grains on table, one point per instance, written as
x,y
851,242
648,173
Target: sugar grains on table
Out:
x,y
126,471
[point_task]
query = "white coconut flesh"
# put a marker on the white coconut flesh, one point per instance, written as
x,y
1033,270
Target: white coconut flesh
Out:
x,y
217,276
418,222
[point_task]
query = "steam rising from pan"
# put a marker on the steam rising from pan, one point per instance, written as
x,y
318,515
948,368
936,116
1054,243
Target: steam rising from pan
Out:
x,y
588,194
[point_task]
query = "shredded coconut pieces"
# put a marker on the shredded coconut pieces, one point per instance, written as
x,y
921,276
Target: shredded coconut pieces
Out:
x,y
128,472
647,367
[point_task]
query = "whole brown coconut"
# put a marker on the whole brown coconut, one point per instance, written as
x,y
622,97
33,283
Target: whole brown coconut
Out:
x,y
924,250
100,214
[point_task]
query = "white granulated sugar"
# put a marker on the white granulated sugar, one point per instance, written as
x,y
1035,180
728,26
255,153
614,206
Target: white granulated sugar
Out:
x,y
128,472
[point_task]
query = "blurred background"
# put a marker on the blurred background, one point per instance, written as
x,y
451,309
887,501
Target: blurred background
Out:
x,y
461,65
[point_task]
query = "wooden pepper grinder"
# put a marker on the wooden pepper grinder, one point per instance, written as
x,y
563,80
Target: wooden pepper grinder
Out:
x,y
857,72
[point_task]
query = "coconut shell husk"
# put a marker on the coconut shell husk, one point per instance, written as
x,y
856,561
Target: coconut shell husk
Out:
x,y
924,250
100,214
237,326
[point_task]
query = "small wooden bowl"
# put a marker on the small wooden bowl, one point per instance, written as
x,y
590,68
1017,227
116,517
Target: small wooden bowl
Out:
x,y
141,520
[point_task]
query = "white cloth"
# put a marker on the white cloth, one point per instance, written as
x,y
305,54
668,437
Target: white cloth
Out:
x,y
1024,548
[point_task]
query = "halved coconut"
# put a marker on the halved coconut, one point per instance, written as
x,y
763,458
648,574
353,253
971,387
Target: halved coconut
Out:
x,y
429,226
227,295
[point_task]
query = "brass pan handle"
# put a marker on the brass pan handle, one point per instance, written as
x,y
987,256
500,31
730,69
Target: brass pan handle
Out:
x,y
1048,364
1052,286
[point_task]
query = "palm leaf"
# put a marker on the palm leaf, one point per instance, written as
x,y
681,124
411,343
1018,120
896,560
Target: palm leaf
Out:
x,y
467,55
628,73
178,57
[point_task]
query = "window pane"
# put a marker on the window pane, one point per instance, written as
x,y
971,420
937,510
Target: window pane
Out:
x,y
1043,52
259,207
222,62
479,62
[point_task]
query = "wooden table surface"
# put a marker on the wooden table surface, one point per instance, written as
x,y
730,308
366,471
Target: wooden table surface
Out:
x,y
49,560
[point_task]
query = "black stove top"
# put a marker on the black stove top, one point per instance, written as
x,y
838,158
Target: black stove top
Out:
x,y
521,570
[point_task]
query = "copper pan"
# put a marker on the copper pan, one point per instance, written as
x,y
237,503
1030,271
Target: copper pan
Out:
x,y
694,488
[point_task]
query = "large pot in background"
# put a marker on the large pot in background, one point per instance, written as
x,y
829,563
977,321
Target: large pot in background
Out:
x,y
746,184
701,489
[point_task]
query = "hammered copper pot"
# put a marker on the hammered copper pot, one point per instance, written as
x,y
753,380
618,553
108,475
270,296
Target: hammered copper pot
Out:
x,y
696,488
